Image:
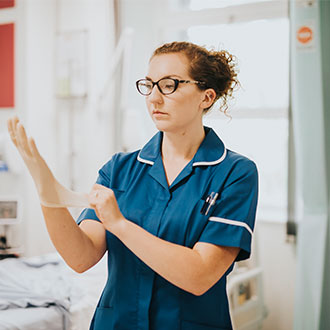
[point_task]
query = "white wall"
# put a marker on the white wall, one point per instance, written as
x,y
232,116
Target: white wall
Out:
x,y
11,184
92,122
44,116
35,27
277,257
142,16
39,109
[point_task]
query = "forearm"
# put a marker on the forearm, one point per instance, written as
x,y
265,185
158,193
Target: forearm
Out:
x,y
194,270
76,248
180,265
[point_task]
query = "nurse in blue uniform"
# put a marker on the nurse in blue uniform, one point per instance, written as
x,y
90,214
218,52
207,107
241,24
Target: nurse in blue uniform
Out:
x,y
172,217
175,215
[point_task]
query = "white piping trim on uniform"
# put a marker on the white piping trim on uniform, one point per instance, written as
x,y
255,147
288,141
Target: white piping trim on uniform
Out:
x,y
232,222
144,160
213,162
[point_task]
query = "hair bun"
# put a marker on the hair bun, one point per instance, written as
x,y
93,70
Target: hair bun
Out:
x,y
218,69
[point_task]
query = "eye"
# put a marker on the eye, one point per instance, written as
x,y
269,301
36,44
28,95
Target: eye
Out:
x,y
144,86
145,83
167,83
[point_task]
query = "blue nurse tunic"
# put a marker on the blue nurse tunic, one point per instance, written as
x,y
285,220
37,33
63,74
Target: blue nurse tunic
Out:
x,y
135,297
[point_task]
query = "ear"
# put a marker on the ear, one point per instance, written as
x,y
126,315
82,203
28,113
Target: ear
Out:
x,y
208,99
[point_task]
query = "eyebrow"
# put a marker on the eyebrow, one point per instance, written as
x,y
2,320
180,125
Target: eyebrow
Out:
x,y
168,76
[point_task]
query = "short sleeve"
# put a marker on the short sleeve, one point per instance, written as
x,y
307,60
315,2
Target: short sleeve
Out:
x,y
103,179
232,219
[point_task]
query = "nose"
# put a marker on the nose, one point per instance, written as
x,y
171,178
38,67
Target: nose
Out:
x,y
156,96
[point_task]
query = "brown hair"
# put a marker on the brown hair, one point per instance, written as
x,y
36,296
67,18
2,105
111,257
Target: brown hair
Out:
x,y
217,69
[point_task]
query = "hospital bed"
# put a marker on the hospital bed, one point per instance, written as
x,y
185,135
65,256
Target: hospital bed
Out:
x,y
44,293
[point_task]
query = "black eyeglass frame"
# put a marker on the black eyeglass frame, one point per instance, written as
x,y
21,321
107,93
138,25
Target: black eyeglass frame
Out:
x,y
176,84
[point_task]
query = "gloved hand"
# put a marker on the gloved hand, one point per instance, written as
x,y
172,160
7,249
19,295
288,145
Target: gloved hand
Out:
x,y
51,192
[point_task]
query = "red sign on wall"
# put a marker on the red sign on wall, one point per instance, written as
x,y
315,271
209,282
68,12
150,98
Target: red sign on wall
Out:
x,y
304,34
7,91
7,3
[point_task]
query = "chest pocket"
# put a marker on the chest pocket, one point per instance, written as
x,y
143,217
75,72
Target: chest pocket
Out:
x,y
197,221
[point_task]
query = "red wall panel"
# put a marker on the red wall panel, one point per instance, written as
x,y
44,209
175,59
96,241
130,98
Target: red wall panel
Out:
x,y
7,66
7,3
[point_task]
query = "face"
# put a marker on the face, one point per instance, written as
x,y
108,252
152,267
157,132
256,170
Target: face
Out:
x,y
182,109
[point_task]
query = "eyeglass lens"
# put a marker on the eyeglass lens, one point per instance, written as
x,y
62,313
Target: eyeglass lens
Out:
x,y
166,86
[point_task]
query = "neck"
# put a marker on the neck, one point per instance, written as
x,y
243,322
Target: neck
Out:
x,y
182,144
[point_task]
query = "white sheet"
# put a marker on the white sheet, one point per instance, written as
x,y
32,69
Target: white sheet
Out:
x,y
38,318
44,281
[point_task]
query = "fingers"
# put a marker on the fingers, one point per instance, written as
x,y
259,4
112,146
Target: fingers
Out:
x,y
18,136
92,197
100,188
99,193
33,147
23,140
11,124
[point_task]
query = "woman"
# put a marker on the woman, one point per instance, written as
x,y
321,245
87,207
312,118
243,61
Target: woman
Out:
x,y
173,216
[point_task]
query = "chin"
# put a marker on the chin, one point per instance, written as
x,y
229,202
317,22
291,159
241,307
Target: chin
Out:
x,y
161,125
166,127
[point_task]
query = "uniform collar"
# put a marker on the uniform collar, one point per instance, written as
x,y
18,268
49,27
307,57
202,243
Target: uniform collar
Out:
x,y
149,153
212,151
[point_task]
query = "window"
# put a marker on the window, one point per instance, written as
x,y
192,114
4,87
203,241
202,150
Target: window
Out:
x,y
262,51
259,126
198,5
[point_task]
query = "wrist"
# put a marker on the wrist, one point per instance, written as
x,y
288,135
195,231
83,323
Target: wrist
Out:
x,y
119,227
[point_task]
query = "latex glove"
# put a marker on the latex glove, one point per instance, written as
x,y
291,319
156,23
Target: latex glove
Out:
x,y
51,192
103,201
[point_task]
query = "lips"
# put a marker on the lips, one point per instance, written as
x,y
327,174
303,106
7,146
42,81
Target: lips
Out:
x,y
157,112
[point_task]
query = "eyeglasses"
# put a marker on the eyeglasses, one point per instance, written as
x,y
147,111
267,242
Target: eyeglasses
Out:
x,y
165,85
